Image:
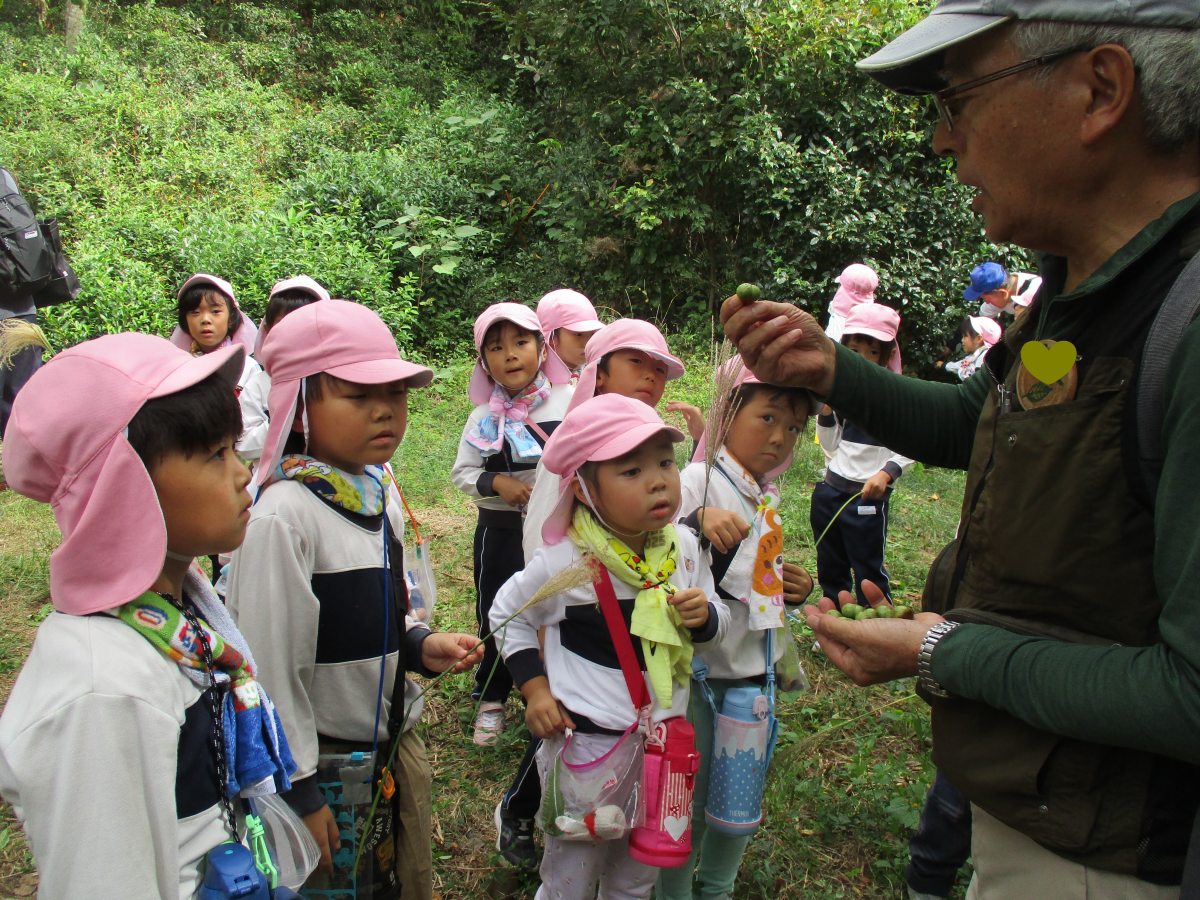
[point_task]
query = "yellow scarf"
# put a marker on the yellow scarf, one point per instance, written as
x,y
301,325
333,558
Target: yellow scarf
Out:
x,y
666,642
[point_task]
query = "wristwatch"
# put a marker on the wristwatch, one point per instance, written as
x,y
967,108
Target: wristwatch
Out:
x,y
925,679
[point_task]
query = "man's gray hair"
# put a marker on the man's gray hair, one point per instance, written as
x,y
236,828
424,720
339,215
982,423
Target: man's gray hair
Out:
x,y
1168,69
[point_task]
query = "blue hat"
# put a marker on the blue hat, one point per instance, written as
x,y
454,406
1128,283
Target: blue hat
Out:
x,y
985,277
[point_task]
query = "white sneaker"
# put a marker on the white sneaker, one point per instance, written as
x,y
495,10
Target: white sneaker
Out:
x,y
489,722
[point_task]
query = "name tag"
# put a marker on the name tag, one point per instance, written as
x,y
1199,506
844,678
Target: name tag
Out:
x,y
868,511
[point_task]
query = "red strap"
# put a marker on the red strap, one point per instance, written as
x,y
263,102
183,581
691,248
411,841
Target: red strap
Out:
x,y
617,630
411,518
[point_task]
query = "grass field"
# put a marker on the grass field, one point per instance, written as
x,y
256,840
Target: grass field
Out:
x,y
845,787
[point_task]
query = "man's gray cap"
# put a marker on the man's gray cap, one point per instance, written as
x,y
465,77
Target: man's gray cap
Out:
x,y
911,63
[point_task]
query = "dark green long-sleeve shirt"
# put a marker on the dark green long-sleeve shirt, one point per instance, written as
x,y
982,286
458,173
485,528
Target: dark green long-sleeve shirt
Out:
x,y
1141,697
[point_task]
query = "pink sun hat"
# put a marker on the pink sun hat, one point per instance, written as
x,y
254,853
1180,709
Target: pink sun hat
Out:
x,y
856,285
247,333
745,376
343,339
296,283
877,321
66,445
623,334
521,316
986,328
601,428
564,308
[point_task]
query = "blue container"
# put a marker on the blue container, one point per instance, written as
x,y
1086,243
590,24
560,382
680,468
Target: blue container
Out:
x,y
738,769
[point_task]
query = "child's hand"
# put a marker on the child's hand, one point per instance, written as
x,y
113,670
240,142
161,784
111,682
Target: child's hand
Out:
x,y
544,715
797,584
876,485
691,416
443,650
826,410
692,606
512,491
724,528
325,832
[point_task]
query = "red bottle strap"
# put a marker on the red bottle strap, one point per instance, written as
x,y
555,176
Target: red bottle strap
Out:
x,y
617,630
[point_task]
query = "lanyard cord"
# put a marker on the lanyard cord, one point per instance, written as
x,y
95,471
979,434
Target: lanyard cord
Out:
x,y
387,603
215,697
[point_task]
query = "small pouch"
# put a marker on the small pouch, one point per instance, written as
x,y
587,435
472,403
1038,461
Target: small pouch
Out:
x,y
589,798
418,572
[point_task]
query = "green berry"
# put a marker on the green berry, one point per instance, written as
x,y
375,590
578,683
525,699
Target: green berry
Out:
x,y
868,614
904,612
748,291
851,610
834,613
885,611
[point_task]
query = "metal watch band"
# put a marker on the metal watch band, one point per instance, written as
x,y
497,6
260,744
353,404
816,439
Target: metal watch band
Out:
x,y
925,679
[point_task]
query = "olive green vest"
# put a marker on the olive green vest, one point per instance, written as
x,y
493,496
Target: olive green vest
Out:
x,y
1054,542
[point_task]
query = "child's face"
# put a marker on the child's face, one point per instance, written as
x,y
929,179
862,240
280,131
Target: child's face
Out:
x,y
570,345
763,432
633,373
208,323
866,347
637,492
204,499
971,342
351,426
511,356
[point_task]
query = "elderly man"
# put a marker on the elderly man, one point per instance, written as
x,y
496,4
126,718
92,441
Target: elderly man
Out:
x,y
1065,678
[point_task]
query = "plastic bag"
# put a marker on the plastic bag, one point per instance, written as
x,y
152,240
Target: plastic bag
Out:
x,y
292,846
418,576
790,677
592,798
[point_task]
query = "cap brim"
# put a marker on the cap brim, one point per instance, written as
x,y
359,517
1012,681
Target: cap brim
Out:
x,y
383,371
228,360
912,63
583,325
674,365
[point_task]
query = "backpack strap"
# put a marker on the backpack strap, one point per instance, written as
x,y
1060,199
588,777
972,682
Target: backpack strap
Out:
x,y
1174,316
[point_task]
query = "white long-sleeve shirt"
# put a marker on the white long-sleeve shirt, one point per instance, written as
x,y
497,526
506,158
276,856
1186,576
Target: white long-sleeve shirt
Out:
x,y
853,456
253,388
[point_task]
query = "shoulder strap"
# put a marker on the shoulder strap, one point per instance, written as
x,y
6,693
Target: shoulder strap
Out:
x,y
619,632
1174,316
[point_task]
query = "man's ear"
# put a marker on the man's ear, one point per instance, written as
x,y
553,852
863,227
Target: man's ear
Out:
x,y
1112,82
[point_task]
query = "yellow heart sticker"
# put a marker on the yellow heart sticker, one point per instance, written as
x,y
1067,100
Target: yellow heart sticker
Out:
x,y
1048,364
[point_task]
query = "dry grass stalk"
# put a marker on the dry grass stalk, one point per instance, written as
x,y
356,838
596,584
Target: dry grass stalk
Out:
x,y
17,335
722,410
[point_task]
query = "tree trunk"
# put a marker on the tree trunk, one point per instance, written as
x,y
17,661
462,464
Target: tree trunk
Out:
x,y
74,24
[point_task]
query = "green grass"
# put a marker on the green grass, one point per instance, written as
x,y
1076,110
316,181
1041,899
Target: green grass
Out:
x,y
847,782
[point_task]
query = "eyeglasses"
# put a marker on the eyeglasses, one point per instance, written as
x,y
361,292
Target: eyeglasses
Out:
x,y
943,98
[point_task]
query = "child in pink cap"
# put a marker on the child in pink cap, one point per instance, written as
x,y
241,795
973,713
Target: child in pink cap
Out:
x,y
856,285
977,334
109,744
287,296
849,513
318,584
736,502
568,321
619,494
208,318
517,406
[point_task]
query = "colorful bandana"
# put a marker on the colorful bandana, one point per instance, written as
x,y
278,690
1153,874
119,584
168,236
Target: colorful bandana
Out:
x,y
755,574
666,643
257,756
364,494
507,421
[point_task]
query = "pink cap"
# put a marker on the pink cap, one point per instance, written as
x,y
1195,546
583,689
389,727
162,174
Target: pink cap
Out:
x,y
745,376
521,316
65,445
247,333
564,308
343,339
623,334
857,285
986,328
1030,288
877,321
295,283
603,427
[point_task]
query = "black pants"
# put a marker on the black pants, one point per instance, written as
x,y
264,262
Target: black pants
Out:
x,y
498,557
852,550
524,795
14,375
942,841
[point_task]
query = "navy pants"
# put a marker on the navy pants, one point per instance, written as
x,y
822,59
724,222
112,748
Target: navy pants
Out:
x,y
524,795
852,550
942,841
498,557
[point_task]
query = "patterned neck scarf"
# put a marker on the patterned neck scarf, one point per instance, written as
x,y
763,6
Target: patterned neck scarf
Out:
x,y
666,643
258,760
507,421
364,494
755,574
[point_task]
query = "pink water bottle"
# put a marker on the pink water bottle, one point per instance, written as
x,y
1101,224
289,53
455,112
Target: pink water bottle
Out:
x,y
665,838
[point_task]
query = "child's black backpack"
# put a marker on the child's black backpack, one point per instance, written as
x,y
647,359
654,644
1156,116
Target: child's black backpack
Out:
x,y
32,261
